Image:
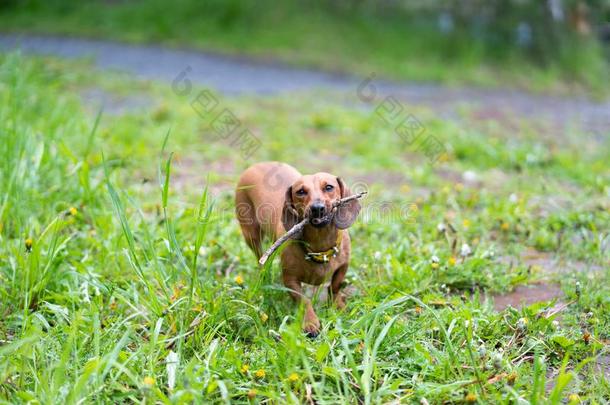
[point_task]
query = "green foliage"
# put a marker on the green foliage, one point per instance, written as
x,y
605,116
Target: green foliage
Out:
x,y
135,290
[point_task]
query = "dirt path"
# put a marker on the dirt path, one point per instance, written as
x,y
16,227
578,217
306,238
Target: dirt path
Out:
x,y
547,266
235,75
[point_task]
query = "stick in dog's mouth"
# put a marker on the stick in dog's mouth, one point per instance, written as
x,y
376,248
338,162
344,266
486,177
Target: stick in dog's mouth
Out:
x,y
318,221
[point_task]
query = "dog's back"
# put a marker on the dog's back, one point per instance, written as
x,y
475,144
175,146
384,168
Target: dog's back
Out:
x,y
259,200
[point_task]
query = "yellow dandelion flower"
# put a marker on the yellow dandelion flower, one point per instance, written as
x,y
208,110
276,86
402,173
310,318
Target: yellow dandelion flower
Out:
x,y
73,211
443,157
28,244
459,187
252,393
466,223
149,381
452,261
505,226
418,310
260,373
434,265
574,399
405,188
446,190
294,377
176,295
471,398
244,369
264,317
239,280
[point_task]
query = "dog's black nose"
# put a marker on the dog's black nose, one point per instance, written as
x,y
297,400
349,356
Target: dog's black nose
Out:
x,y
317,209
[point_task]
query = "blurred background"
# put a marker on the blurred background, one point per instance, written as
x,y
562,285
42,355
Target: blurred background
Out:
x,y
559,45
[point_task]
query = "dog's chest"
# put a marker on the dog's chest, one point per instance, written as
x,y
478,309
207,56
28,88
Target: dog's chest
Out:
x,y
307,271
318,273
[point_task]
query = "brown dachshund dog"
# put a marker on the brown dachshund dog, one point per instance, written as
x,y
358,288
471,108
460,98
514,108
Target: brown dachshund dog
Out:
x,y
272,197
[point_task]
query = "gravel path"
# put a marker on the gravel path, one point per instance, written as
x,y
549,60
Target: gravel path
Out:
x,y
236,75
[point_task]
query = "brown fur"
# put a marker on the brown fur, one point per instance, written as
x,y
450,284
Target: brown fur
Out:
x,y
268,203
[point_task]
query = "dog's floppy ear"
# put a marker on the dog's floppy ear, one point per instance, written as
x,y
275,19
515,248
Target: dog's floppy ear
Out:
x,y
290,217
347,213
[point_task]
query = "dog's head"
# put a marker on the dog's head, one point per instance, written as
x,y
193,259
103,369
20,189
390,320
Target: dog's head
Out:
x,y
313,196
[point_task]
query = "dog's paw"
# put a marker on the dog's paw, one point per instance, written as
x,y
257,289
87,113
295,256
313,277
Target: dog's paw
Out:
x,y
311,328
312,335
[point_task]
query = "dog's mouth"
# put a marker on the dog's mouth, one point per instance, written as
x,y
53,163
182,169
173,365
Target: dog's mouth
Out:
x,y
321,221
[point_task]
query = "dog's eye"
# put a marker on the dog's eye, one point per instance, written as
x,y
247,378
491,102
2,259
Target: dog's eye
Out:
x,y
329,187
301,192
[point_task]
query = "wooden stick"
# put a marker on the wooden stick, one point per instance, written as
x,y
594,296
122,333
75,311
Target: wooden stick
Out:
x,y
299,227
288,235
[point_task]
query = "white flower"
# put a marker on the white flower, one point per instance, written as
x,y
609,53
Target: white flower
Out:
x,y
469,176
377,255
513,198
171,364
531,159
465,250
84,289
497,359
441,227
435,259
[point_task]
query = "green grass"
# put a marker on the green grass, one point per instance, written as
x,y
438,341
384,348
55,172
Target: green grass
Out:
x,y
145,267
395,44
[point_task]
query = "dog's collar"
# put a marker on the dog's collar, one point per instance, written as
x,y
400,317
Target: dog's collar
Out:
x,y
326,255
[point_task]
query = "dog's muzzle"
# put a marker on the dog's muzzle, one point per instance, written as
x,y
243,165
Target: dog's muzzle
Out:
x,y
318,215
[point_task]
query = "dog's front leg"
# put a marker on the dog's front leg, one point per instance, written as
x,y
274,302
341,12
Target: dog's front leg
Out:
x,y
335,286
311,323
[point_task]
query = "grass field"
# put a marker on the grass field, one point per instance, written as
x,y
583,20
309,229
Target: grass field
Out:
x,y
395,43
122,280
